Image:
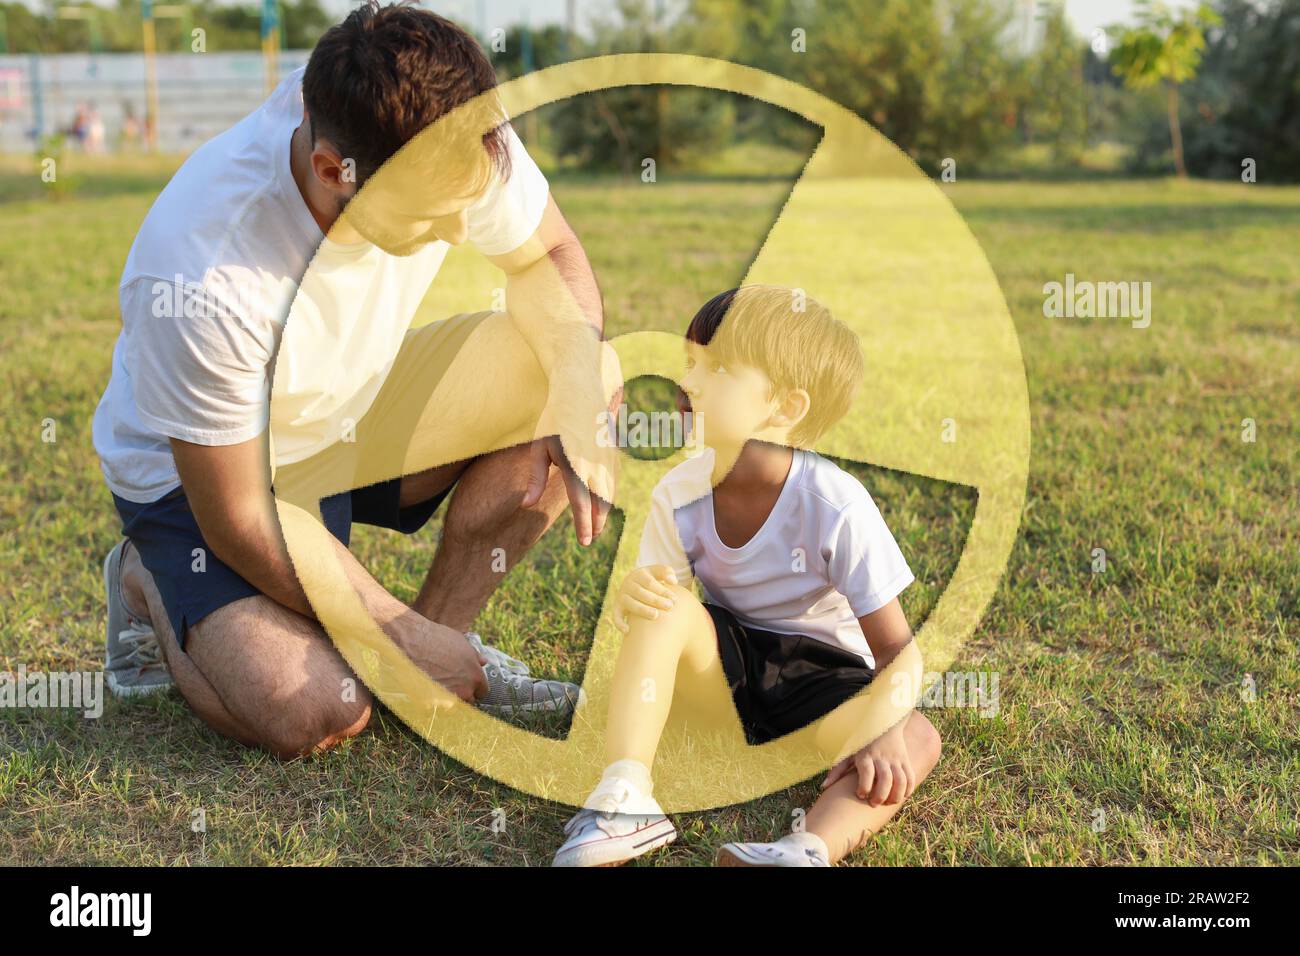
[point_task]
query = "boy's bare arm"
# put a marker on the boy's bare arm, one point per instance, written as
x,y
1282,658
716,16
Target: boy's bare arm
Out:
x,y
884,766
887,632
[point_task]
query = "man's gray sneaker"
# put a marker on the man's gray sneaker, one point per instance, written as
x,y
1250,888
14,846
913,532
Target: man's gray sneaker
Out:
x,y
494,655
133,663
511,694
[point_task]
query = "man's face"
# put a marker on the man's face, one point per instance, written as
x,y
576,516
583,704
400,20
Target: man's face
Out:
x,y
401,216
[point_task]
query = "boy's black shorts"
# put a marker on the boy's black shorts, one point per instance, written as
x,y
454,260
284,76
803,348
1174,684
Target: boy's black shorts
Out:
x,y
781,682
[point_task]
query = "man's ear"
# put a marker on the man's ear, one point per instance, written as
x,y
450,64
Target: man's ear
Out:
x,y
336,173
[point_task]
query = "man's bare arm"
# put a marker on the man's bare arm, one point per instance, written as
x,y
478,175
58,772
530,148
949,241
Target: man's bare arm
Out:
x,y
554,301
229,490
553,316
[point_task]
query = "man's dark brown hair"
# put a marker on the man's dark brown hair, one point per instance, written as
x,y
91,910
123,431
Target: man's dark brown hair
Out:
x,y
385,73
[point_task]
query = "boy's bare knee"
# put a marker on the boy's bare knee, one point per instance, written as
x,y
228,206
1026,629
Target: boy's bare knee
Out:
x,y
681,594
927,737
686,613
686,609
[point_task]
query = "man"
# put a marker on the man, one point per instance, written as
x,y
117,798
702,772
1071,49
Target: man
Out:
x,y
235,356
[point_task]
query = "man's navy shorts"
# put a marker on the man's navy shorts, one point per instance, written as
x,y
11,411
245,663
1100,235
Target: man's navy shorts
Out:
x,y
194,582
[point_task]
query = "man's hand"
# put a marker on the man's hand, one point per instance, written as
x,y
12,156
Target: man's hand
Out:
x,y
590,508
884,769
555,304
572,427
449,659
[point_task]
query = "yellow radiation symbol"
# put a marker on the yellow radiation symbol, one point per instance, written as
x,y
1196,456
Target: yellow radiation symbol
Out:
x,y
867,235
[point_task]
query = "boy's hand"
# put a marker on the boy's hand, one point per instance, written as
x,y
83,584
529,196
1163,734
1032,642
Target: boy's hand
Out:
x,y
884,768
645,592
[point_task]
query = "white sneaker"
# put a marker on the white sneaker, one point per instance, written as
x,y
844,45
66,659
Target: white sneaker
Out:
x,y
786,851
617,824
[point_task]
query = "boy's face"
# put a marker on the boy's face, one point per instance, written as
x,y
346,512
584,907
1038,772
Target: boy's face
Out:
x,y
730,404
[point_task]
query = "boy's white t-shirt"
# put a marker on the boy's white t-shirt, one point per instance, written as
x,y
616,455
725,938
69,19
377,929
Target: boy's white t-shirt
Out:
x,y
823,558
211,290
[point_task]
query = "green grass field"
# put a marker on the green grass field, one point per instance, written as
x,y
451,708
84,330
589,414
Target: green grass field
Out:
x,y
1120,692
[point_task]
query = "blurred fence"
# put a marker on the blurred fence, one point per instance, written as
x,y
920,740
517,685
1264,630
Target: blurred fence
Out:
x,y
199,96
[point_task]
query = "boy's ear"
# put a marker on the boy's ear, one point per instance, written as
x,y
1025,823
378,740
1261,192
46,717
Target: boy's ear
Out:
x,y
795,403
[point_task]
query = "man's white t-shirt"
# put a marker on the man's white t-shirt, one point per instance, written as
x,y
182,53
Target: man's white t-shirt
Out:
x,y
217,280
823,558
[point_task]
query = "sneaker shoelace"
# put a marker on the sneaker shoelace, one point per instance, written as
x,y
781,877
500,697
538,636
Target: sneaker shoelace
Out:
x,y
606,808
506,687
774,851
495,655
145,651
510,688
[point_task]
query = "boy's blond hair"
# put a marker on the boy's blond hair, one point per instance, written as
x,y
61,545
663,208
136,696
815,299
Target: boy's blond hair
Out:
x,y
791,338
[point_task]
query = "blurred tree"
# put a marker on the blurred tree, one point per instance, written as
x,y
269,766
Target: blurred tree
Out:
x,y
546,47
937,78
228,26
769,35
1245,101
303,23
1056,101
23,29
884,64
1163,47
981,85
621,128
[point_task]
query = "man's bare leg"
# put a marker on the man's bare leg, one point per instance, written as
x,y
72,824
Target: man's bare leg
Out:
x,y
267,675
234,686
483,515
474,426
278,675
278,682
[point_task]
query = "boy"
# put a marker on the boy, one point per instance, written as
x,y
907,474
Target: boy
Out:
x,y
800,579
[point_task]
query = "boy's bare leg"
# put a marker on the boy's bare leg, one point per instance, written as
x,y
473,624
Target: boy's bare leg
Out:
x,y
645,677
844,820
